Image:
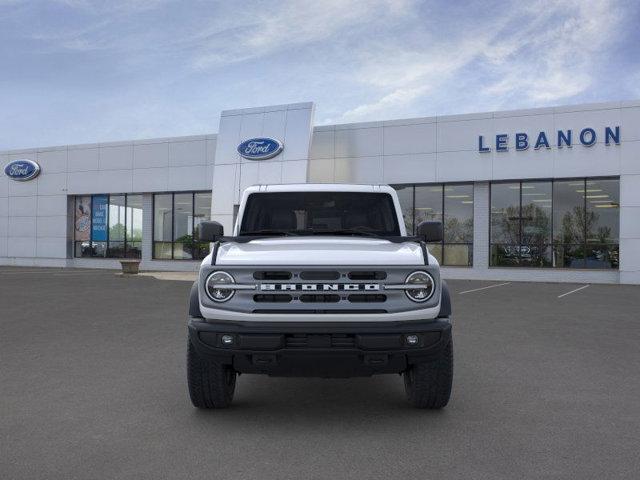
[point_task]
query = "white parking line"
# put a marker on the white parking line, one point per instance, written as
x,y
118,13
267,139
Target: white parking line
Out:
x,y
573,291
484,288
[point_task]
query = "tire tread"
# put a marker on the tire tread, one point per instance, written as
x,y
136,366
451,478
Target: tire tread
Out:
x,y
209,383
428,384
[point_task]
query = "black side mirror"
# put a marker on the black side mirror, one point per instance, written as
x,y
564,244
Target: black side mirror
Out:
x,y
210,231
430,232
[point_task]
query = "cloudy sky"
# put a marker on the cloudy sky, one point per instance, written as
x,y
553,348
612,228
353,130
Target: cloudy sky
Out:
x,y
81,71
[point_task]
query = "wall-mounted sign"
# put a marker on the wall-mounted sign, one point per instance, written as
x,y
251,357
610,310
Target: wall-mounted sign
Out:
x,y
99,218
564,138
22,170
260,148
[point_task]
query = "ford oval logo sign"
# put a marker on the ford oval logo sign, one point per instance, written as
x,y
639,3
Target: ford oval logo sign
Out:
x,y
260,148
22,170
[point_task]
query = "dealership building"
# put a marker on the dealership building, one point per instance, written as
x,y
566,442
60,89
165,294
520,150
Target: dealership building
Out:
x,y
548,194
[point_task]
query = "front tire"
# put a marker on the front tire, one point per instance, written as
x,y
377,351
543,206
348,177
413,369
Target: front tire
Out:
x,y
428,384
211,384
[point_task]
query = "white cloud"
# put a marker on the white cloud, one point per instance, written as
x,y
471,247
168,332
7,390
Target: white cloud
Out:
x,y
544,52
166,67
555,63
258,32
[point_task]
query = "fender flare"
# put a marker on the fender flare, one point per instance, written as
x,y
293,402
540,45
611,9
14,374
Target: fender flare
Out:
x,y
194,302
445,302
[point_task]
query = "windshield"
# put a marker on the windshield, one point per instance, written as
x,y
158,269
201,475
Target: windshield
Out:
x,y
320,213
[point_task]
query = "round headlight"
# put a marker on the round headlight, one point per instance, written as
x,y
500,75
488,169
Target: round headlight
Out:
x,y
213,287
426,289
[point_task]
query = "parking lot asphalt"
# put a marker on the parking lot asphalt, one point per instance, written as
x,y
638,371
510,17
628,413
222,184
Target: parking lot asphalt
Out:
x,y
93,386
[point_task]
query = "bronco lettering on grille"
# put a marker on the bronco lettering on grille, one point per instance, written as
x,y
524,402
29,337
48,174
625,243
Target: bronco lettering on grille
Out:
x,y
323,287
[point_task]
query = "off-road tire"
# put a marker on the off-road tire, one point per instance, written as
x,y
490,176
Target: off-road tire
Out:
x,y
428,384
211,384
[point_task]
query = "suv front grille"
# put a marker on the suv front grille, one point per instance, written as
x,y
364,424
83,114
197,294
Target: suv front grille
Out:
x,y
367,275
320,275
272,297
316,290
319,298
364,298
272,275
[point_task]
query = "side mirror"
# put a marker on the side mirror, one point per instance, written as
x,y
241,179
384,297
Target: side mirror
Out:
x,y
210,231
430,232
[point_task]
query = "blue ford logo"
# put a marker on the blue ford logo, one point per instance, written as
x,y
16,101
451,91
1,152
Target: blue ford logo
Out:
x,y
260,148
22,170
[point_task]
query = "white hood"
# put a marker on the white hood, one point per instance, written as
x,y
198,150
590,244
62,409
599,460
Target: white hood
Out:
x,y
330,251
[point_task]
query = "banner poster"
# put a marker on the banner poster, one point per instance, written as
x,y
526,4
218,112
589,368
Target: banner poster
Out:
x,y
99,218
83,219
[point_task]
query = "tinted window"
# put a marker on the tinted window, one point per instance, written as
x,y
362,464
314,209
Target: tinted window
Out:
x,y
535,229
505,213
428,203
565,223
451,204
108,226
320,212
176,224
405,197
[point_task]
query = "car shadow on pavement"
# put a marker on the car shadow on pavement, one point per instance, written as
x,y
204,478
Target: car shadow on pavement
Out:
x,y
376,400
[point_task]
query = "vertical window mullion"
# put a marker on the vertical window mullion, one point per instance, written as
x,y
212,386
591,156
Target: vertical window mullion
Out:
x,y
413,210
125,225
193,222
490,242
91,226
173,222
153,225
552,241
108,215
520,227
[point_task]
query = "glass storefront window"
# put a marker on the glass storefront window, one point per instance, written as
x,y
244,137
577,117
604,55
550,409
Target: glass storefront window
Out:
x,y
451,204
458,225
405,196
117,219
134,226
536,201
182,225
505,224
108,226
564,223
162,225
177,217
603,223
201,213
569,223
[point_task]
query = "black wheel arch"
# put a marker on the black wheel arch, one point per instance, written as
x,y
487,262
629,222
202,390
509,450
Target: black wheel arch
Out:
x,y
445,301
194,302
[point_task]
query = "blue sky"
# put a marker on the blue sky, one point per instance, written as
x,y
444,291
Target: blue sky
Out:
x,y
76,71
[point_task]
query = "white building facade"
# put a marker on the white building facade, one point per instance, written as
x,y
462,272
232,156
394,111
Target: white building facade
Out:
x,y
549,194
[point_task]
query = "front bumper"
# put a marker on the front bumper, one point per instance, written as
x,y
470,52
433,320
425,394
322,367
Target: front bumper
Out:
x,y
319,349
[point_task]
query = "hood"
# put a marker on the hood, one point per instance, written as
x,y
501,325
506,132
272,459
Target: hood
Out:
x,y
331,251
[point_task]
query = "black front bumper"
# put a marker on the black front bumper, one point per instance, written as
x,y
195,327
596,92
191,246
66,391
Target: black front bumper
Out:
x,y
319,350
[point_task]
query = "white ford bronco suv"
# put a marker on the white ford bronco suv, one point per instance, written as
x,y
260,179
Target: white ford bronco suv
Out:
x,y
319,280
